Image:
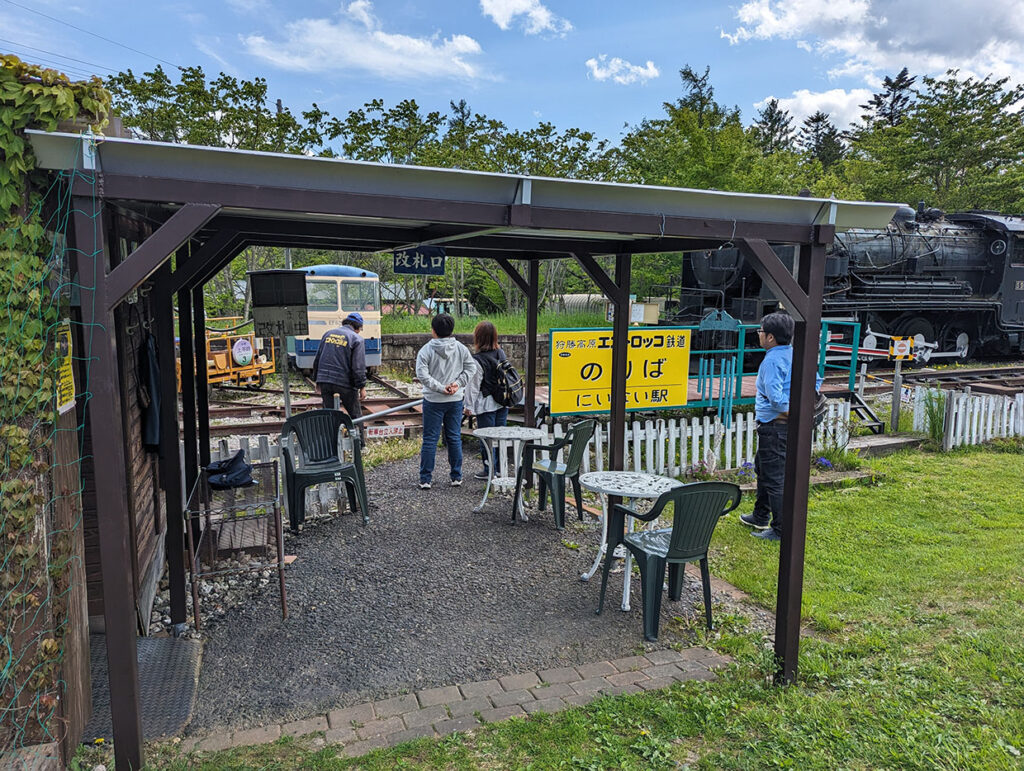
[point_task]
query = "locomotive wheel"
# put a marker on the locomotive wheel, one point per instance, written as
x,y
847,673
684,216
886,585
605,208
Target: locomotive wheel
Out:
x,y
919,328
959,334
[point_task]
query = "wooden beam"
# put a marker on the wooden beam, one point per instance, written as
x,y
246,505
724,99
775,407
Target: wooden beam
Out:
x,y
598,276
106,428
620,356
811,278
517,278
776,275
185,275
532,309
157,249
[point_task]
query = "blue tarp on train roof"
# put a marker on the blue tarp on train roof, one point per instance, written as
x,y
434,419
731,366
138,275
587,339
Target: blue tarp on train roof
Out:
x,y
342,271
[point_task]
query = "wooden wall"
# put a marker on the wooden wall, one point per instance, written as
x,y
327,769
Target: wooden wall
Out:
x,y
148,521
75,699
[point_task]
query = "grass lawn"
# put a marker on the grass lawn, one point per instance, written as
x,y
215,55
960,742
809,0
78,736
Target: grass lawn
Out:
x,y
914,596
506,323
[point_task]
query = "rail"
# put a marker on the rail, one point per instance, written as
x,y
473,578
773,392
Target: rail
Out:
x,y
388,411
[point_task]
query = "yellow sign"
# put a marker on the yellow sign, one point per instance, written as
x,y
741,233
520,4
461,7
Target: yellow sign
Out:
x,y
657,369
65,370
901,348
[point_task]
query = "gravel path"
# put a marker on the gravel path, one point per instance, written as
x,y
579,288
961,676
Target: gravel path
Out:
x,y
427,594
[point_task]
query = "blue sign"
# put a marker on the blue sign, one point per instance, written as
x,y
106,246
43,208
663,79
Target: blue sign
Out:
x,y
421,261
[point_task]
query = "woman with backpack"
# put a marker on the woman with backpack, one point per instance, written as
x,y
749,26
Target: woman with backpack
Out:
x,y
484,393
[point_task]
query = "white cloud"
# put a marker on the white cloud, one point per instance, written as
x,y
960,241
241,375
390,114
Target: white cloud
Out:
x,y
842,106
620,71
248,6
356,41
537,16
866,38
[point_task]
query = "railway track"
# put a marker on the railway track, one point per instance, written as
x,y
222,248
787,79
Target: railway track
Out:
x,y
999,381
249,417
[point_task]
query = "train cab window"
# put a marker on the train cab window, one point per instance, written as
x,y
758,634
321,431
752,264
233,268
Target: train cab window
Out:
x,y
322,295
359,295
1017,252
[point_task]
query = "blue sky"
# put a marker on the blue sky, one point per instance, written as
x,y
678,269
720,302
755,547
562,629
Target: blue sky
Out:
x,y
594,65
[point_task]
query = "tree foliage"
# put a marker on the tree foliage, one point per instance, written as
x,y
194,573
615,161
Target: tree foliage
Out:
x,y
952,141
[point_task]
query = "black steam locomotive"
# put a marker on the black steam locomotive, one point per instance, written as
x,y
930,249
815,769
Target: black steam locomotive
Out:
x,y
955,279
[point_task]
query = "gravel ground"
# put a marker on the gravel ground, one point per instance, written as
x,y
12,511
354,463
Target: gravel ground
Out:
x,y
427,594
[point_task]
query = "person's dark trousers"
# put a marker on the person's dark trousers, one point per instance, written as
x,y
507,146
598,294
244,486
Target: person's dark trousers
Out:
x,y
438,415
770,467
487,420
349,398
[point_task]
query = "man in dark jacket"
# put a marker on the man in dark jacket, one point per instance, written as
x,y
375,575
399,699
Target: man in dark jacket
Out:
x,y
340,365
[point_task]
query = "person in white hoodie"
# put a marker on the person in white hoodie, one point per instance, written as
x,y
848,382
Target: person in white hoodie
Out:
x,y
444,366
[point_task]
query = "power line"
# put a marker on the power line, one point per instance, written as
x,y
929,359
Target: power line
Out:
x,y
59,56
87,32
62,67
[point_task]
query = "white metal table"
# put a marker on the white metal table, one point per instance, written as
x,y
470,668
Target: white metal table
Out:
x,y
506,477
630,486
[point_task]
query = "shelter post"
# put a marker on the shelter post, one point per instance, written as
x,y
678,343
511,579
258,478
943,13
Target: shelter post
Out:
x,y
620,354
810,276
532,309
106,429
202,379
170,464
188,388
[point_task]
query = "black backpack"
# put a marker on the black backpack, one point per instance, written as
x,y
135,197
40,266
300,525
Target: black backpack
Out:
x,y
510,390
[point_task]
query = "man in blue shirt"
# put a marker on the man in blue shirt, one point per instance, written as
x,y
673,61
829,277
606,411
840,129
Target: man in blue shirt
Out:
x,y
771,411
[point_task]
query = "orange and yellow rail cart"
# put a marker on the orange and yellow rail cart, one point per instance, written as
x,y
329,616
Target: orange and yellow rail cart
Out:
x,y
234,355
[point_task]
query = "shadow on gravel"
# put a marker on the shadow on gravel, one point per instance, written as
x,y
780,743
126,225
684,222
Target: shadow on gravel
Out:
x,y
427,594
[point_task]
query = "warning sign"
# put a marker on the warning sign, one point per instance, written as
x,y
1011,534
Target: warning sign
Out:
x,y
657,369
65,369
901,348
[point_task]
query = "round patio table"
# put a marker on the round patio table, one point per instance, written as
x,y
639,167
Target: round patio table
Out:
x,y
518,435
630,486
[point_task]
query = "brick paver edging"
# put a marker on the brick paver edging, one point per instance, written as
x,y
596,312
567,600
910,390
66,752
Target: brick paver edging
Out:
x,y
451,708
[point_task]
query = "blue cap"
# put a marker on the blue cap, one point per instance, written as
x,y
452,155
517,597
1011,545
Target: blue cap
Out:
x,y
355,318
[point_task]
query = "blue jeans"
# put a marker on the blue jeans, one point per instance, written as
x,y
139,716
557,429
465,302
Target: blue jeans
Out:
x,y
436,415
487,420
770,467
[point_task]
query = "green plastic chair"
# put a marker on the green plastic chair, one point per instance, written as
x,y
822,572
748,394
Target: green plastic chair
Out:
x,y
317,432
697,508
552,474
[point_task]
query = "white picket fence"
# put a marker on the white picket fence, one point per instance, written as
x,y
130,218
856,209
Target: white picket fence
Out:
x,y
655,446
971,418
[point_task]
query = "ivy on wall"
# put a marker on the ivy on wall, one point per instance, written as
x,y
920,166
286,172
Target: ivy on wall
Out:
x,y
34,561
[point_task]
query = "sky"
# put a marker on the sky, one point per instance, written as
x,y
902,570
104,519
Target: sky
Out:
x,y
597,65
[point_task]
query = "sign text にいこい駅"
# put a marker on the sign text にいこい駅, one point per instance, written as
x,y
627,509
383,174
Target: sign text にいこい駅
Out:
x,y
657,369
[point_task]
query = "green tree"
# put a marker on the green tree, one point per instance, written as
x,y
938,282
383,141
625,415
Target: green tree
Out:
x,y
698,143
773,129
819,139
959,146
890,106
226,112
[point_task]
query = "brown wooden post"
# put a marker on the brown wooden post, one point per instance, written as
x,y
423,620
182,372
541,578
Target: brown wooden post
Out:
x,y
620,355
170,464
202,382
188,389
532,309
810,276
103,412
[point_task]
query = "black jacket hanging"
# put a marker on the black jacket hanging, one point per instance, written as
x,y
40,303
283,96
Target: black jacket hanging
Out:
x,y
148,378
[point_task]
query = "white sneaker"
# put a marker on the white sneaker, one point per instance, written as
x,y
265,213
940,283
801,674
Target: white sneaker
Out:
x,y
424,485
456,483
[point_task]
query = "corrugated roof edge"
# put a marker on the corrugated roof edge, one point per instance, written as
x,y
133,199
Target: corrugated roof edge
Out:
x,y
61,151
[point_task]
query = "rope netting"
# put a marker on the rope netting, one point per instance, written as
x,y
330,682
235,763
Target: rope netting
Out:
x,y
41,540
